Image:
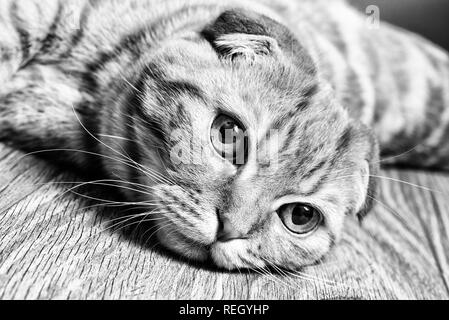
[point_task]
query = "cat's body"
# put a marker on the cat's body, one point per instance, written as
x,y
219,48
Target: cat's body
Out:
x,y
118,78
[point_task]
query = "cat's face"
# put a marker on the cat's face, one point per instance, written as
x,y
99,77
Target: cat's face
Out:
x,y
260,165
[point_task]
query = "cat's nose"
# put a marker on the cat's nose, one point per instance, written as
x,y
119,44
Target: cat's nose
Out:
x,y
227,232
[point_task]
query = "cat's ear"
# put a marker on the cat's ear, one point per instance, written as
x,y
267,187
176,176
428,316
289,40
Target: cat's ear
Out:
x,y
369,185
368,171
245,32
245,45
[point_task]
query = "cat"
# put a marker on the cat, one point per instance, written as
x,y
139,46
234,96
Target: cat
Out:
x,y
251,131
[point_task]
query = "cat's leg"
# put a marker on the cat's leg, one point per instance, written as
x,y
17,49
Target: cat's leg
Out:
x,y
393,80
37,102
412,119
26,26
46,114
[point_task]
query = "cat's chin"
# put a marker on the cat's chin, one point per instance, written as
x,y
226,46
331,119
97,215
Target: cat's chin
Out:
x,y
234,255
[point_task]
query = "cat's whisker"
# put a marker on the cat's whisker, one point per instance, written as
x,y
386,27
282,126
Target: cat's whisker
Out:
x,y
127,139
110,201
145,216
115,137
93,182
131,223
71,190
395,157
151,174
80,151
102,205
113,185
389,209
271,277
287,273
406,183
303,276
158,228
105,183
130,84
137,166
391,179
114,228
169,223
103,231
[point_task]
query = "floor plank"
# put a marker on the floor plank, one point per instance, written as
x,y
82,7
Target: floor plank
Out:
x,y
54,246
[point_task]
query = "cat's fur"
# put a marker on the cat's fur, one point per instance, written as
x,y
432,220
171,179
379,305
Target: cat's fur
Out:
x,y
133,80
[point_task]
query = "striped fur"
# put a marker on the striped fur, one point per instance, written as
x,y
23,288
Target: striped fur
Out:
x,y
122,86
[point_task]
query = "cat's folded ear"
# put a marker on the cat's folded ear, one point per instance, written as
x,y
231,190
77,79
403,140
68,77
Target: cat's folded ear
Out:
x,y
241,32
368,147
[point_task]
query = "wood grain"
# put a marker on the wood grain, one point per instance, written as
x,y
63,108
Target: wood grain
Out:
x,y
53,245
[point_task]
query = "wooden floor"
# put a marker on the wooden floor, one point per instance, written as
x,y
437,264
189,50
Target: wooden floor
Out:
x,y
55,245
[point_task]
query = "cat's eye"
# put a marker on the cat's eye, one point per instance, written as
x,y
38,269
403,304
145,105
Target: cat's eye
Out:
x,y
300,218
229,139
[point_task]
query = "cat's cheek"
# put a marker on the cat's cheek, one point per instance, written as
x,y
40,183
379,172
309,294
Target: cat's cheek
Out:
x,y
177,244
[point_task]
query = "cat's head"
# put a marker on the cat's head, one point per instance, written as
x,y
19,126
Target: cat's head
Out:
x,y
251,160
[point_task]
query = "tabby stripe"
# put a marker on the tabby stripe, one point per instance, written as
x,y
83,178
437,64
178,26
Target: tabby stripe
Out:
x,y
134,42
307,95
185,206
175,205
431,57
135,104
132,147
434,109
316,168
259,225
437,105
317,186
289,138
89,120
135,107
338,37
332,239
375,71
343,141
24,35
353,96
79,33
171,87
185,220
131,44
49,40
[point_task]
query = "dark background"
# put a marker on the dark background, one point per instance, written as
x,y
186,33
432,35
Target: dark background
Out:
x,y
427,17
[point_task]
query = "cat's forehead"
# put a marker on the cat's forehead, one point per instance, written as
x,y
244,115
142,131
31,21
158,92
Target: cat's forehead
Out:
x,y
258,74
251,88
